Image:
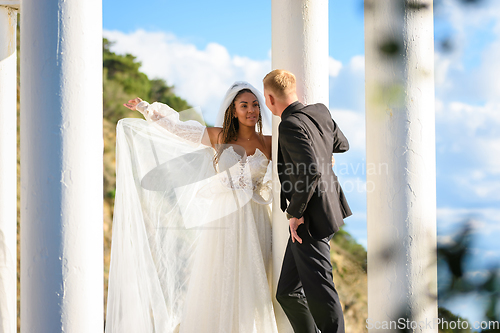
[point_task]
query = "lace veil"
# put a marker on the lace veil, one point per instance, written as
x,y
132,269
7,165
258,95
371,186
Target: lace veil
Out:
x,y
165,184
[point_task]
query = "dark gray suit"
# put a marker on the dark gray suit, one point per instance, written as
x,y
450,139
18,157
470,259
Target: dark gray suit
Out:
x,y
307,138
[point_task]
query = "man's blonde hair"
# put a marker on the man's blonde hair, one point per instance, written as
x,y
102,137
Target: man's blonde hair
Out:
x,y
281,82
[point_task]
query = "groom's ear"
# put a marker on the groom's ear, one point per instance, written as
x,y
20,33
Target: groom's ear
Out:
x,y
271,99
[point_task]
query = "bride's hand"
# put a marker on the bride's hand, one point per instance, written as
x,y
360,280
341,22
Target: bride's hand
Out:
x,y
132,104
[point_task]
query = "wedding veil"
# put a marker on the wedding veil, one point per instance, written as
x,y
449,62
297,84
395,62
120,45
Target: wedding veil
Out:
x,y
164,184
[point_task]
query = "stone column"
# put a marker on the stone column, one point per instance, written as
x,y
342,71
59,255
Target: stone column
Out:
x,y
61,166
8,167
400,154
300,45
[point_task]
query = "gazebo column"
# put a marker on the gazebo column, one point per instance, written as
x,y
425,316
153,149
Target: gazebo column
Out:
x,y
400,152
300,45
61,166
8,166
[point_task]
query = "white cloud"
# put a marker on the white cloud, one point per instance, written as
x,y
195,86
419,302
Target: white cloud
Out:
x,y
478,276
445,240
468,104
485,188
200,76
352,124
334,67
442,65
482,220
468,147
485,78
464,18
347,88
471,27
357,63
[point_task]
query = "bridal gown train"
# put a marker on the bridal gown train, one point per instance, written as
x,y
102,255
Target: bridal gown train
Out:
x,y
191,246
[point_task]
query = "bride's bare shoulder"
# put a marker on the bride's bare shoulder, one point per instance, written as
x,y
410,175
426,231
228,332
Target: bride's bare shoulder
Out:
x,y
268,139
215,130
269,144
213,133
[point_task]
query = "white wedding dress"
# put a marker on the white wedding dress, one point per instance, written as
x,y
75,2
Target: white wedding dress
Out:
x,y
229,287
191,245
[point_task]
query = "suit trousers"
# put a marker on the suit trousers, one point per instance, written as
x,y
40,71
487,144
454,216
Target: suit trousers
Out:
x,y
306,291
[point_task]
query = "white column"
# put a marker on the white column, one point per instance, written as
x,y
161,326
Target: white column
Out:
x,y
400,149
8,168
300,45
61,166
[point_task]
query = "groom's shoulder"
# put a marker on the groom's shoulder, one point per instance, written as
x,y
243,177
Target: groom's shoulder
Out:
x,y
318,113
318,107
312,112
300,115
292,122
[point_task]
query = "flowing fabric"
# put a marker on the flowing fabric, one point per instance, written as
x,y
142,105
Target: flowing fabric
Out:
x,y
191,245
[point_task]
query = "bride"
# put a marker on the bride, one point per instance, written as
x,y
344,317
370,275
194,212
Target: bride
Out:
x,y
191,246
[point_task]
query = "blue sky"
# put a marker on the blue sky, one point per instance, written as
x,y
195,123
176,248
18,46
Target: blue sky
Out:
x,y
201,47
243,28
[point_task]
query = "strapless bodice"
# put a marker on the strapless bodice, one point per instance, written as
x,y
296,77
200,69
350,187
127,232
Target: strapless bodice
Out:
x,y
249,172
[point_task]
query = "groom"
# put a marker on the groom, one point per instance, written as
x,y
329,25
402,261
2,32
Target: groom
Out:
x,y
316,206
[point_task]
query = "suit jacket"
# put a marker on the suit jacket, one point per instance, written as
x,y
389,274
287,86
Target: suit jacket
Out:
x,y
307,138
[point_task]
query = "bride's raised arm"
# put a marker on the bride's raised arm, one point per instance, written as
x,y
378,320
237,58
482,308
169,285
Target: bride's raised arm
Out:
x,y
168,118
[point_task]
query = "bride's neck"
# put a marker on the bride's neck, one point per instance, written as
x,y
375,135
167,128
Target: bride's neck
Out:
x,y
245,132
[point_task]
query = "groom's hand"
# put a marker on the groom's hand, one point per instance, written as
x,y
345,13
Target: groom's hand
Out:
x,y
294,225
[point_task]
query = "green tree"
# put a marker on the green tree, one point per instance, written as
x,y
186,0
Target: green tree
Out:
x,y
123,80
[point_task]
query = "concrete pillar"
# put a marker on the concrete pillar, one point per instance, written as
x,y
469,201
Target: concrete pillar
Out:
x,y
8,168
400,150
300,45
61,166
